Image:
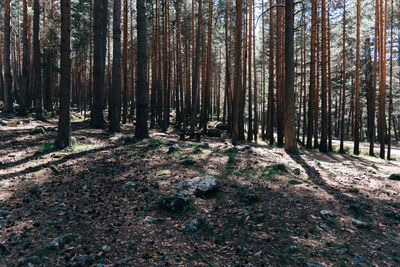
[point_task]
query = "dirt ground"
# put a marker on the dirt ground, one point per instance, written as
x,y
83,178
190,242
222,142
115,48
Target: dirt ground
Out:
x,y
97,203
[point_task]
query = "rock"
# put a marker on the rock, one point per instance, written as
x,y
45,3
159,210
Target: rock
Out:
x,y
50,129
55,169
80,137
174,148
176,203
361,225
116,138
60,242
328,216
188,162
35,260
4,123
59,207
125,261
129,186
292,249
259,218
3,213
361,260
394,177
152,220
204,145
4,250
106,248
359,207
194,225
392,215
279,167
296,171
247,195
200,186
221,126
37,130
324,227
213,132
243,148
312,264
295,182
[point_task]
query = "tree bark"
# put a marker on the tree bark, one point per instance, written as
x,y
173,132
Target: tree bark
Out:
x,y
8,97
64,122
141,88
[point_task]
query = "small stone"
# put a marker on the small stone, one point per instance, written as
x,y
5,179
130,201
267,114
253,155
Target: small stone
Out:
x,y
106,248
361,260
221,126
4,122
296,171
174,148
204,145
37,130
295,182
50,129
193,225
176,203
3,213
213,132
361,225
130,186
394,177
55,169
149,219
328,216
188,162
259,218
312,264
125,261
292,249
35,260
247,195
279,167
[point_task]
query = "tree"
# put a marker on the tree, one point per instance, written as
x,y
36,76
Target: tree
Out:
x,y
270,111
25,61
125,66
195,78
341,149
323,147
390,84
290,108
357,113
382,74
250,114
141,88
99,57
8,107
36,62
238,70
115,103
64,122
311,99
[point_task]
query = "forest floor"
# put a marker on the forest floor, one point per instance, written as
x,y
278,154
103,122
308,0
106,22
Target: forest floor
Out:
x,y
104,202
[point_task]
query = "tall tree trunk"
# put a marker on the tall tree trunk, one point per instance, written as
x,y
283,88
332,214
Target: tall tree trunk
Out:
x,y
330,148
390,84
270,114
372,96
250,111
115,103
279,74
141,88
8,97
311,99
357,111
341,149
64,123
323,147
25,61
382,73
179,85
208,80
99,52
125,66
289,100
36,62
238,70
196,66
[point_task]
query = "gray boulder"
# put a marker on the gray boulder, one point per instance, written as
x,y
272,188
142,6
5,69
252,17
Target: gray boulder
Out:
x,y
328,216
394,177
175,203
200,186
37,130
